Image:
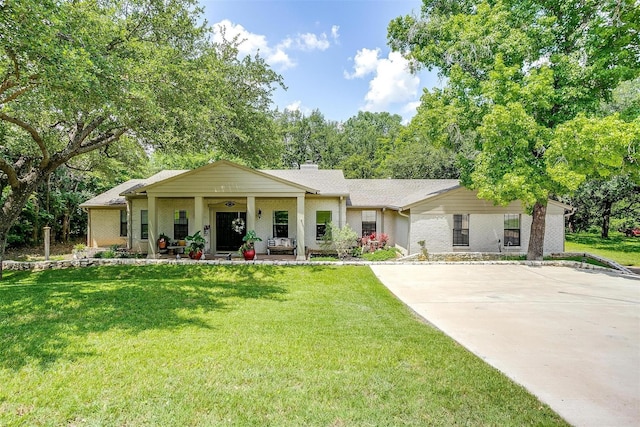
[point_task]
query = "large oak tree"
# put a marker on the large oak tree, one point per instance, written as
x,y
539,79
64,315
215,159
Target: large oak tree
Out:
x,y
79,75
525,79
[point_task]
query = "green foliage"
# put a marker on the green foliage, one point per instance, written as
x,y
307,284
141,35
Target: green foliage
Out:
x,y
381,255
249,240
342,240
592,147
530,77
78,77
605,204
196,242
150,345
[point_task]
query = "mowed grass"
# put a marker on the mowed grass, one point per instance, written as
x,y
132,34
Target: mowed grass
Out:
x,y
619,248
236,345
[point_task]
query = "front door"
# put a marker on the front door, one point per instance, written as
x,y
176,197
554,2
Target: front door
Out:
x,y
227,239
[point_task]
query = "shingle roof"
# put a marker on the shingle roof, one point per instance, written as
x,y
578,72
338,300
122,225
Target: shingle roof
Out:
x,y
112,197
395,193
392,193
326,181
115,196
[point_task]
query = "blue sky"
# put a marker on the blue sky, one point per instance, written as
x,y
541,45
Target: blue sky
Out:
x,y
332,54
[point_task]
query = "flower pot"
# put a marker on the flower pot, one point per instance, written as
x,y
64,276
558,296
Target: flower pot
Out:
x,y
195,255
249,255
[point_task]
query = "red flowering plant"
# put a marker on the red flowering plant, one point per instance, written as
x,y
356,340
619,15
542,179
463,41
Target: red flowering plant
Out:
x,y
374,241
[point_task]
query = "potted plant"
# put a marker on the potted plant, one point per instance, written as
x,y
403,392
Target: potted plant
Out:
x,y
196,245
163,241
247,249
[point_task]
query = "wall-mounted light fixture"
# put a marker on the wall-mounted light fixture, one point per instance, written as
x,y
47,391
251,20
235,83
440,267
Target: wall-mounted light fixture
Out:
x,y
259,213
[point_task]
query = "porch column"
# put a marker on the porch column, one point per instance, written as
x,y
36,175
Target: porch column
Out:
x,y
251,213
300,239
198,221
152,216
129,224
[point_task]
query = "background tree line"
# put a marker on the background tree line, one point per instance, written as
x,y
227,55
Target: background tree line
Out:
x,y
368,145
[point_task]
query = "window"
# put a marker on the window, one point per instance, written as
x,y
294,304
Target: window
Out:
x,y
368,223
280,224
123,223
323,218
180,225
512,230
461,230
144,225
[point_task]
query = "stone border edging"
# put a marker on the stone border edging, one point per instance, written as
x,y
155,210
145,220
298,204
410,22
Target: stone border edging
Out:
x,y
96,262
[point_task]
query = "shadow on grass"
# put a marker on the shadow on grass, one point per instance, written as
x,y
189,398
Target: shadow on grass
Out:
x,y
43,313
615,242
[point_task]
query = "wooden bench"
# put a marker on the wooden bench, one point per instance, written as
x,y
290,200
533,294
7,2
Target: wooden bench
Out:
x,y
281,245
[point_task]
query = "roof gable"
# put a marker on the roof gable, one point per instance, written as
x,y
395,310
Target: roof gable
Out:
x,y
224,177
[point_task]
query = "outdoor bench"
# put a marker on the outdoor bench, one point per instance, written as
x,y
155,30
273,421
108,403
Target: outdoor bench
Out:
x,y
281,245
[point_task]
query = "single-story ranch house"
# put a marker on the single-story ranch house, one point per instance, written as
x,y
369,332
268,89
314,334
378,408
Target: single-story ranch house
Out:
x,y
297,205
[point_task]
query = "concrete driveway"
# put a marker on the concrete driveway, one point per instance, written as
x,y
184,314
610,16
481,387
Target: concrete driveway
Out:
x,y
571,337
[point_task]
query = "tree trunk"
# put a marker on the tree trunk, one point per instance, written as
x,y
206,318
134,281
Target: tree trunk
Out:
x,y
536,238
65,226
3,246
606,217
10,212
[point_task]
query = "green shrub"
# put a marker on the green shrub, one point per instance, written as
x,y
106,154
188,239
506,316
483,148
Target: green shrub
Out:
x,y
381,255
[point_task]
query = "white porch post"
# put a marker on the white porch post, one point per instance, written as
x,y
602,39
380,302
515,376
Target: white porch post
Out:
x,y
300,239
198,221
129,224
152,217
251,213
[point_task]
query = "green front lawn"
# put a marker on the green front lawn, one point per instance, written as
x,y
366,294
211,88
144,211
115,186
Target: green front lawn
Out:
x,y
619,248
236,345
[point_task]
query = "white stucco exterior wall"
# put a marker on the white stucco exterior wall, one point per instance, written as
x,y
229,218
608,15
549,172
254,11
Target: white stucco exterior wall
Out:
x,y
312,205
484,232
264,225
433,229
105,228
166,215
137,243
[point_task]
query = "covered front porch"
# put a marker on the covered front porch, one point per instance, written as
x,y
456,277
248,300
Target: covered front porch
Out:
x,y
223,221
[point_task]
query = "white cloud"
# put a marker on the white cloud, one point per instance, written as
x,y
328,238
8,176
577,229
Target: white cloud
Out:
x,y
310,41
294,106
365,62
334,33
276,55
251,43
392,82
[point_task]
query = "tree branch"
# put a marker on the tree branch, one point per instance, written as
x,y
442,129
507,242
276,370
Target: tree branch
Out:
x,y
15,94
74,150
8,169
80,134
32,131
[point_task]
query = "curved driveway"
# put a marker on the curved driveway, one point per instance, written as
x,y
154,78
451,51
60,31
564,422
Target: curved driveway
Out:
x,y
571,337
